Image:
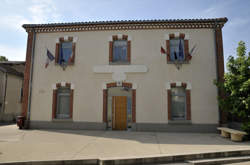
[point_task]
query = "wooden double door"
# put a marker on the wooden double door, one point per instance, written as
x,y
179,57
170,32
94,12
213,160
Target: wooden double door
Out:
x,y
119,112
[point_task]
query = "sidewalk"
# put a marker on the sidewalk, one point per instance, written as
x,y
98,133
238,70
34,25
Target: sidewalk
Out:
x,y
23,145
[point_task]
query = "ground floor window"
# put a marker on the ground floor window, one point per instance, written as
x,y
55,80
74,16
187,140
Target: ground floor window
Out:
x,y
63,103
178,103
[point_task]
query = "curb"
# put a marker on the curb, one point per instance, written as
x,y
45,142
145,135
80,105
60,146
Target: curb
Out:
x,y
56,162
228,160
137,161
173,158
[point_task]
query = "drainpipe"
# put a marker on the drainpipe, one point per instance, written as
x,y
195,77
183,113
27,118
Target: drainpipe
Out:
x,y
30,78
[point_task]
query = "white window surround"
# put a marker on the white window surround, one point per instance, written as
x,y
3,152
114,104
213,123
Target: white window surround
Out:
x,y
63,84
118,72
178,84
66,38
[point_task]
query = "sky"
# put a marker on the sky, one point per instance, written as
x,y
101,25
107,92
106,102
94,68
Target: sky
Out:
x,y
14,13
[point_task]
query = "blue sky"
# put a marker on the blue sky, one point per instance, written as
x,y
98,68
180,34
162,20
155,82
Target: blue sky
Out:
x,y
14,13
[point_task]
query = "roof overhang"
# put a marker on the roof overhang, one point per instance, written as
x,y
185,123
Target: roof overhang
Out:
x,y
128,25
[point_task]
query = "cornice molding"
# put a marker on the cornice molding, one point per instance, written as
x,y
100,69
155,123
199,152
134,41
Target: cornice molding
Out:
x,y
126,25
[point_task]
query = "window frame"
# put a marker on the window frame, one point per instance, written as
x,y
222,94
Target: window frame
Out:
x,y
55,101
111,50
58,48
188,102
59,94
185,104
177,39
187,56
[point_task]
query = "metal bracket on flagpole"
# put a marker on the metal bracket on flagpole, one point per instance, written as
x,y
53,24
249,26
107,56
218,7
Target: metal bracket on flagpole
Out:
x,y
178,64
64,65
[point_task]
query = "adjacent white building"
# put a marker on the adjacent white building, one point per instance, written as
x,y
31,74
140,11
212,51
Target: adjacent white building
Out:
x,y
11,82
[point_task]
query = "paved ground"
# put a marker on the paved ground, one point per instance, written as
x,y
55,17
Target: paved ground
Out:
x,y
22,145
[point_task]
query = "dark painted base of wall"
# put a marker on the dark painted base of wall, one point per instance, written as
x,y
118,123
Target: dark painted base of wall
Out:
x,y
187,128
67,125
150,127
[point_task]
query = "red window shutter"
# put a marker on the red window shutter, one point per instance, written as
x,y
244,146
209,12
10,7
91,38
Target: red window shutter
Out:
x,y
110,51
168,49
105,104
134,106
169,105
188,102
57,52
54,103
129,51
186,49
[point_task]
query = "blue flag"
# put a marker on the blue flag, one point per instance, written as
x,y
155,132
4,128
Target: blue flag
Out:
x,y
61,59
181,53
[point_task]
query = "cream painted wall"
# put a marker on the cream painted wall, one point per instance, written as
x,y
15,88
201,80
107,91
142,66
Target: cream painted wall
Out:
x,y
92,48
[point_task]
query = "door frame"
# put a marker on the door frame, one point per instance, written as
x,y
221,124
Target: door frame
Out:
x,y
105,99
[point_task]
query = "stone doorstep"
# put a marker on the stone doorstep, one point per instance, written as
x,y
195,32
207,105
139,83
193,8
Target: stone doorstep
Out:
x,y
220,160
155,159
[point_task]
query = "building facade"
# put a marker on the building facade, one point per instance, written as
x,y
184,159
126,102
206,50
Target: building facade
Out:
x,y
126,75
11,82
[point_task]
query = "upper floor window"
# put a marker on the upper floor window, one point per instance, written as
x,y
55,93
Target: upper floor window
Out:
x,y
65,51
119,50
177,46
177,49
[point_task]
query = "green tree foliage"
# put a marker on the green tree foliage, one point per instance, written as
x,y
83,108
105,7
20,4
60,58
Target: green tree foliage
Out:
x,y
237,87
3,58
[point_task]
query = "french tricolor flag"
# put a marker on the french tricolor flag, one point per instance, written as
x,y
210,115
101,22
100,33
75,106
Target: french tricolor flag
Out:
x,y
49,59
